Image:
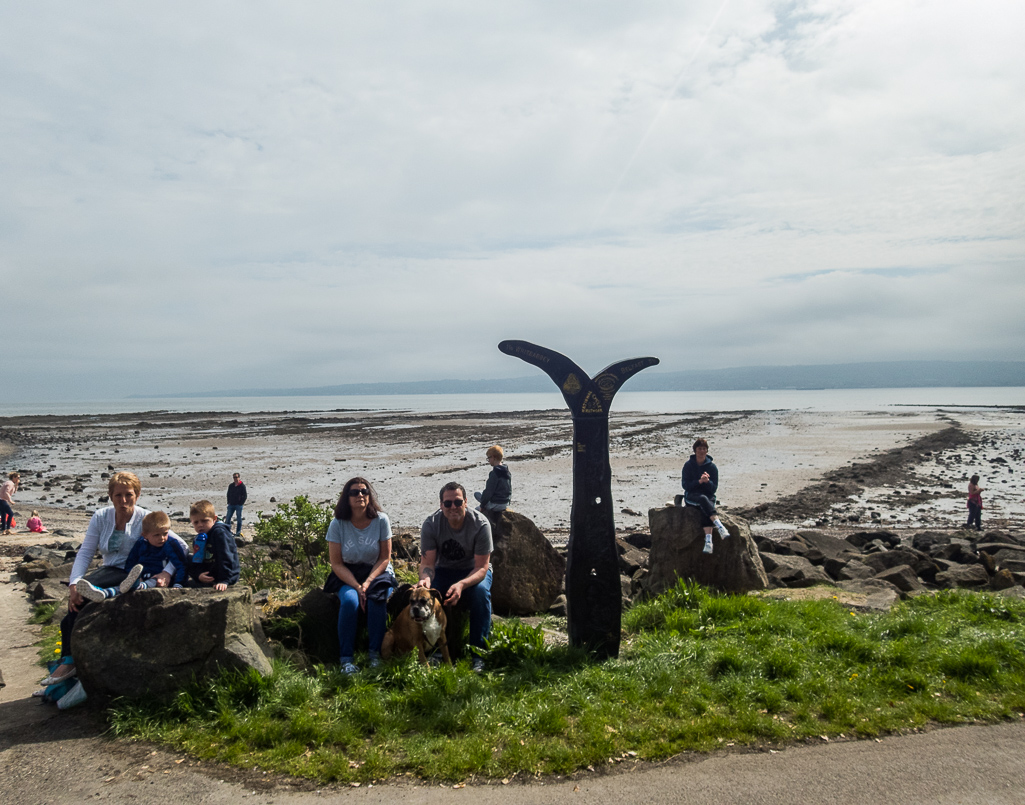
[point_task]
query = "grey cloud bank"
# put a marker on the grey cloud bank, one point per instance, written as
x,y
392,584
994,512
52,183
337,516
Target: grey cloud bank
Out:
x,y
255,195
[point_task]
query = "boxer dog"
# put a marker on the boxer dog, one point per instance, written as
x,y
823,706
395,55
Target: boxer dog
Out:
x,y
418,621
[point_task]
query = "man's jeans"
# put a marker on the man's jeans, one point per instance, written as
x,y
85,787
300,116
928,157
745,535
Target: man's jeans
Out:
x,y
476,599
237,511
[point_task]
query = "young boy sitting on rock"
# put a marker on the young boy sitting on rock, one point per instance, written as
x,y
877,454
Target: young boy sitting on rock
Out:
x,y
215,558
498,491
158,551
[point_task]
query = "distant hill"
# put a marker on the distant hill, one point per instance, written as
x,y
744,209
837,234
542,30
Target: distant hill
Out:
x,y
890,374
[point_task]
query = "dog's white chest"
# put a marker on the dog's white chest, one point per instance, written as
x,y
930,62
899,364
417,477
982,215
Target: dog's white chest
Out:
x,y
432,630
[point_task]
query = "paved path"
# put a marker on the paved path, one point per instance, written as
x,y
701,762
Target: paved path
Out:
x,y
50,757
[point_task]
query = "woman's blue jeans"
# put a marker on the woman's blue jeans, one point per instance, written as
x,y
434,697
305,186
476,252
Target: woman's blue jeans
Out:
x,y
6,515
348,620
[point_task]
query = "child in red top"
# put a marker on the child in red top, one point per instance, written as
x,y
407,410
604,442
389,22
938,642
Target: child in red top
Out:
x,y
35,525
974,503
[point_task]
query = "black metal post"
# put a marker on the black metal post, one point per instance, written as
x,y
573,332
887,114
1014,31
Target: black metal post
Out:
x,y
593,594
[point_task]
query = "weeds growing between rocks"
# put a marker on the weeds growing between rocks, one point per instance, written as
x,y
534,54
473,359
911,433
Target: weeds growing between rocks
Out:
x,y
697,672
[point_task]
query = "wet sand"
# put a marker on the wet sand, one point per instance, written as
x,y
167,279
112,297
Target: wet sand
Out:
x,y
771,462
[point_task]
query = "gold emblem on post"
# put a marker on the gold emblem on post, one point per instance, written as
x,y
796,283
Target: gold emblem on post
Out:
x,y
592,405
572,384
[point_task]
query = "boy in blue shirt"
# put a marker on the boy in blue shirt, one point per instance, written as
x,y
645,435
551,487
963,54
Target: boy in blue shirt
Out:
x,y
215,559
159,551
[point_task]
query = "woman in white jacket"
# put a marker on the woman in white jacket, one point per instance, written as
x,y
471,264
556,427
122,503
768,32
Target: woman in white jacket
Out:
x,y
112,531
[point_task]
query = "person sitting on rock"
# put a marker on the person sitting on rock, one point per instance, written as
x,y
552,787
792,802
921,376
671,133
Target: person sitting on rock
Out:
x,y
146,563
498,491
700,482
455,551
215,559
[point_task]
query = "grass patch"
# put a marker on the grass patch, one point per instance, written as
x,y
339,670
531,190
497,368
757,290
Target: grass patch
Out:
x,y
697,671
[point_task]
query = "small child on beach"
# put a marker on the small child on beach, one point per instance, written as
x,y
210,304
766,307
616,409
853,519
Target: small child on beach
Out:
x,y
215,558
34,524
150,556
498,491
974,503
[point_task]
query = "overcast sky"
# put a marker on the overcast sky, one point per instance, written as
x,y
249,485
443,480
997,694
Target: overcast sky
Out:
x,y
209,195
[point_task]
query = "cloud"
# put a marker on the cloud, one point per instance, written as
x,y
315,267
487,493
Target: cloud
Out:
x,y
248,194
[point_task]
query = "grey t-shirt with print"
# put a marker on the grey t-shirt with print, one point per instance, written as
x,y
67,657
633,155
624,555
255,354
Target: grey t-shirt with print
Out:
x,y
456,549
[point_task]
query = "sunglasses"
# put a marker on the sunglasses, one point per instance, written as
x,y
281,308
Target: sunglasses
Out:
x,y
458,503
355,493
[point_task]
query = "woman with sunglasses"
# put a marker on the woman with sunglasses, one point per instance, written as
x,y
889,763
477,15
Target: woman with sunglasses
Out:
x,y
359,547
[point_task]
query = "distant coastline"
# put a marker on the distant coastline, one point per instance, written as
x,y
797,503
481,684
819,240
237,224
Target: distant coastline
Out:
x,y
887,374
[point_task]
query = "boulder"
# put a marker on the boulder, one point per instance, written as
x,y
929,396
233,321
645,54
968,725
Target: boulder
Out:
x,y
630,558
677,540
963,576
887,559
1004,556
860,539
34,570
1013,592
527,570
310,626
829,547
880,595
55,558
153,642
855,570
928,541
903,578
794,571
1001,580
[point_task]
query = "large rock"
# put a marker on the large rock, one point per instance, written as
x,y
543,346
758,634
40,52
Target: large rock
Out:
x,y
528,572
153,642
963,576
677,540
830,547
794,571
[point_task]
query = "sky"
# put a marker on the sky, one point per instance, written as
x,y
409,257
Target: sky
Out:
x,y
219,195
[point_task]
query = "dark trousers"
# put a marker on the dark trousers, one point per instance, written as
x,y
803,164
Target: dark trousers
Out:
x,y
6,515
974,515
707,507
101,577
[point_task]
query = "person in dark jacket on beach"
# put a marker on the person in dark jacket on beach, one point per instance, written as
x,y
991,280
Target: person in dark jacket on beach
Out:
x,y
700,482
236,499
498,491
215,561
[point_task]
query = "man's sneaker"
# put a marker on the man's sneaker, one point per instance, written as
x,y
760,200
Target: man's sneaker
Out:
x,y
375,662
90,591
708,544
348,669
478,665
722,531
129,583
73,697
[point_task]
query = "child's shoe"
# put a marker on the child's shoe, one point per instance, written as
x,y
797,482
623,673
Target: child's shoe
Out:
x,y
708,544
722,530
129,583
89,591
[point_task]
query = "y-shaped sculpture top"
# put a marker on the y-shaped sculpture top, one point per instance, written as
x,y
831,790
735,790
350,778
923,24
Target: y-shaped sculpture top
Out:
x,y
593,593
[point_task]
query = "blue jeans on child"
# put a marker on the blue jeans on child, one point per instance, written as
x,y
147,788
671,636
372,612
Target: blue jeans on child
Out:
x,y
476,599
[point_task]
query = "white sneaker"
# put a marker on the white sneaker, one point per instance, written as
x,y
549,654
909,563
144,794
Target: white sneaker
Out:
x,y
722,531
350,668
129,583
89,591
708,544
73,697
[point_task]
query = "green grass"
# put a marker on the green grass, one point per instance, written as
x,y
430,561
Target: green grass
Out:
x,y
696,672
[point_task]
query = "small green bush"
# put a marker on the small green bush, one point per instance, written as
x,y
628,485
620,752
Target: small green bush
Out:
x,y
303,525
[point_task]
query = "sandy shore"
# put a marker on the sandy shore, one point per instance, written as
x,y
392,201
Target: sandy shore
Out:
x,y
763,456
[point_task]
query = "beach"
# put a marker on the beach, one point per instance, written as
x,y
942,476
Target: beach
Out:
x,y
764,457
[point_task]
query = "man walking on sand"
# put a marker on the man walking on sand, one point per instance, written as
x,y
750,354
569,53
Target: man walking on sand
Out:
x,y
236,498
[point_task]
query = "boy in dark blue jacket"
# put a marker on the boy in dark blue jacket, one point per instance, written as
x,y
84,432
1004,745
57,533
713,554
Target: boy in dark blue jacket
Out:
x,y
215,560
159,550
700,482
498,490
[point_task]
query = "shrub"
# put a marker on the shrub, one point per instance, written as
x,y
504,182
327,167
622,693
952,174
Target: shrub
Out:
x,y
304,525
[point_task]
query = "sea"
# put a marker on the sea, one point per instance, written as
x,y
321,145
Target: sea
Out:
x,y
626,401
